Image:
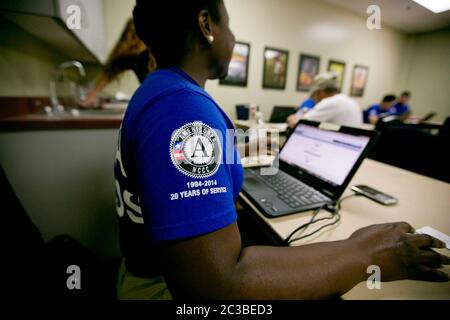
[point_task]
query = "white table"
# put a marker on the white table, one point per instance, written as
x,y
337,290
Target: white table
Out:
x,y
422,201
245,124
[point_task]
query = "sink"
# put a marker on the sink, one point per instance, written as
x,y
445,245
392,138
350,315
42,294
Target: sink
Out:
x,y
77,113
100,112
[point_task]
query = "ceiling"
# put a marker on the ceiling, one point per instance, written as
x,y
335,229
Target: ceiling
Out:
x,y
403,15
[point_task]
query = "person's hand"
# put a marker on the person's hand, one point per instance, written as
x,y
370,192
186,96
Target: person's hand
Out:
x,y
401,254
90,100
292,120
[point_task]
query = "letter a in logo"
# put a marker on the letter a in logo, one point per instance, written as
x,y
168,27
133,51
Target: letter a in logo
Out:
x,y
199,147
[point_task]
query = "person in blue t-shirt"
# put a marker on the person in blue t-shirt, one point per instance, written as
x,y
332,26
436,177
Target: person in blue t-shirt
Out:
x,y
402,109
177,180
381,110
308,104
303,108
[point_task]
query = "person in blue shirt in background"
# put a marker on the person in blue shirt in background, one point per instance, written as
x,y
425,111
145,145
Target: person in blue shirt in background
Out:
x,y
380,110
176,188
309,103
304,107
402,109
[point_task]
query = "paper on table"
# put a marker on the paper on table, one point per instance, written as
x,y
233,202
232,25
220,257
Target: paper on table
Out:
x,y
435,233
259,161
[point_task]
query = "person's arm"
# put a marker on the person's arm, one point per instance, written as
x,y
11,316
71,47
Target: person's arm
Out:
x,y
91,98
116,65
372,115
214,266
373,119
405,115
120,60
293,119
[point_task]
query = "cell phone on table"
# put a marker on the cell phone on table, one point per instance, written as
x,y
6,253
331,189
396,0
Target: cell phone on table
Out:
x,y
375,195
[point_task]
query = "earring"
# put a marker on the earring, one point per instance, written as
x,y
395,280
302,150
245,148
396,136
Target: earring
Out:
x,y
211,39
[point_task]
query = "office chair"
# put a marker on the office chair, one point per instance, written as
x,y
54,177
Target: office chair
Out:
x,y
38,269
412,148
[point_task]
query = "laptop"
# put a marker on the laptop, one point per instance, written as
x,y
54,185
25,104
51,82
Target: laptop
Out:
x,y
428,116
316,164
280,114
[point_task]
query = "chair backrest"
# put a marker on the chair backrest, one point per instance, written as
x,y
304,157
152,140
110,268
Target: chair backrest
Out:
x,y
366,115
412,148
24,234
280,113
445,129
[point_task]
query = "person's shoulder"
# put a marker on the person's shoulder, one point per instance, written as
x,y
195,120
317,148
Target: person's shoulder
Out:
x,y
343,101
324,103
343,97
177,108
164,90
171,86
401,106
337,99
189,99
308,102
156,86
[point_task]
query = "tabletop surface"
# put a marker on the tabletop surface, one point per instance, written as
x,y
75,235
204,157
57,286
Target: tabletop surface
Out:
x,y
422,202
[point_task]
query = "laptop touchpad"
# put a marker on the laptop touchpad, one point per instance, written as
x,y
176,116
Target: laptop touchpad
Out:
x,y
253,183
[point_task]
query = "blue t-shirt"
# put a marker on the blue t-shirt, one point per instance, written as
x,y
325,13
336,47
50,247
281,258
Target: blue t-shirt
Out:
x,y
177,169
375,110
306,105
400,108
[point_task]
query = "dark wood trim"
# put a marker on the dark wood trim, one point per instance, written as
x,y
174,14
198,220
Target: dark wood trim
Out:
x,y
14,106
27,113
44,122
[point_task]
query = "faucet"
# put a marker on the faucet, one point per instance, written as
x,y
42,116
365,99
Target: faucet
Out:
x,y
56,107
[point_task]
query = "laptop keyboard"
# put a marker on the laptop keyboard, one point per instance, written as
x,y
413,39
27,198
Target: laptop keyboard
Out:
x,y
292,191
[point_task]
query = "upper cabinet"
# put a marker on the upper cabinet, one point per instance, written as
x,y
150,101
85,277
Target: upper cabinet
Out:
x,y
75,28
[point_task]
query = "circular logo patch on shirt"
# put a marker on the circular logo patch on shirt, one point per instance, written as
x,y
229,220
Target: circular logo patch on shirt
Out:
x,y
195,150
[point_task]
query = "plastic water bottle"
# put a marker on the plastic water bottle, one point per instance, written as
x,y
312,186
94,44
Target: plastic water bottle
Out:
x,y
259,119
253,115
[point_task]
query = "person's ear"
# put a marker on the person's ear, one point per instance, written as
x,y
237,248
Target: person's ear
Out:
x,y
206,27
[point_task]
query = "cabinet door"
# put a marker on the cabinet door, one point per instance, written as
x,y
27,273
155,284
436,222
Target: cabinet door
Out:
x,y
91,32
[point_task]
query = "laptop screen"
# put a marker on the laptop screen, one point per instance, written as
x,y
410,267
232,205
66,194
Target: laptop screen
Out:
x,y
327,155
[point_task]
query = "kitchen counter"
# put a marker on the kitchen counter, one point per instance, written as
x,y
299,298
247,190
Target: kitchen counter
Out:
x,y
27,113
64,121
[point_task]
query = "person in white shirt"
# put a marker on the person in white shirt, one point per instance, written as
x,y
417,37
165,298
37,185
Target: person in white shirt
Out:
x,y
332,106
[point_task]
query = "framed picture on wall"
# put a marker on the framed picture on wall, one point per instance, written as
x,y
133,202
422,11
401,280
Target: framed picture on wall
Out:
x,y
275,68
359,80
238,68
339,68
308,68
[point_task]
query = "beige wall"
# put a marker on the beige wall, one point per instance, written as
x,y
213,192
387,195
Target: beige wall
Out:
x,y
314,28
25,62
396,61
116,14
298,26
428,73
